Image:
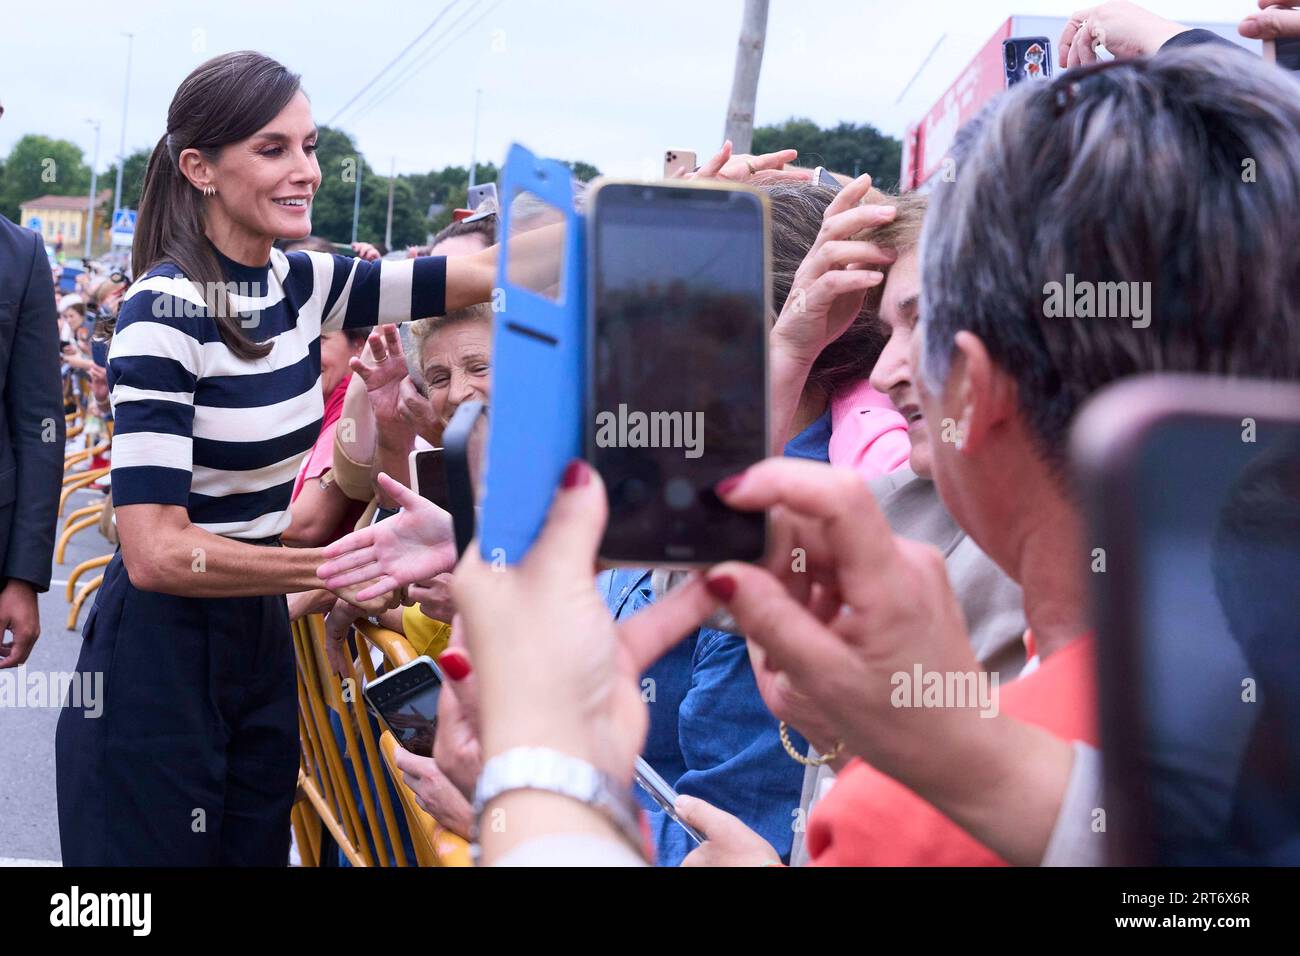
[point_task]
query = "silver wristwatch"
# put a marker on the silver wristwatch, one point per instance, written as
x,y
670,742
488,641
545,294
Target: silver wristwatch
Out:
x,y
540,768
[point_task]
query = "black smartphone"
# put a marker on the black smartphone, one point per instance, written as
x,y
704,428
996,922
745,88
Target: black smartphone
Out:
x,y
1284,51
464,441
406,701
1192,488
1026,58
678,305
430,477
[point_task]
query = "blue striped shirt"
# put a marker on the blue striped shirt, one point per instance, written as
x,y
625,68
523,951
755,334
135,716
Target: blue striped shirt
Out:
x,y
222,436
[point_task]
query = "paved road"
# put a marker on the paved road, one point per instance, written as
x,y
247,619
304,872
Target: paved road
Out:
x,y
29,829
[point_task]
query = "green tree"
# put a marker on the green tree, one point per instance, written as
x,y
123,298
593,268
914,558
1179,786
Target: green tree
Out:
x,y
583,171
844,148
132,178
40,166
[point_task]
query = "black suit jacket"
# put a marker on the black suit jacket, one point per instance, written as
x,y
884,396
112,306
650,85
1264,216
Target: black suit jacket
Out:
x,y
31,414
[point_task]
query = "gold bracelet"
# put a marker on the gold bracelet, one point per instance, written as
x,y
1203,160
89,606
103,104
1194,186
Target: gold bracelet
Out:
x,y
800,758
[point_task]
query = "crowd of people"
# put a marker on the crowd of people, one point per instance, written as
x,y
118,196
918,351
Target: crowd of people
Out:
x,y
266,392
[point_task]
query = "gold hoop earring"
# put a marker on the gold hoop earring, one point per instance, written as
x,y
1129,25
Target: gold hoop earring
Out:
x,y
209,190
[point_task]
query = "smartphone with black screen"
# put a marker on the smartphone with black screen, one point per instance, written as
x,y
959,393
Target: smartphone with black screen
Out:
x,y
464,445
1284,51
406,701
429,475
678,304
1192,491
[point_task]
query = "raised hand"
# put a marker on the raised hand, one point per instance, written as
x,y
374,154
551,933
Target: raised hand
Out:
x,y
382,366
1124,29
742,167
833,280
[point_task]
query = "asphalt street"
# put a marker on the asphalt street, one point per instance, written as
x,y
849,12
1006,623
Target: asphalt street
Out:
x,y
29,829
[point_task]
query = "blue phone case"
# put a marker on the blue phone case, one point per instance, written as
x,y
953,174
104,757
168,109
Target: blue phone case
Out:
x,y
538,372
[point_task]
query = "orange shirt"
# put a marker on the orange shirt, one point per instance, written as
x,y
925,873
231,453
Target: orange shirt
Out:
x,y
869,819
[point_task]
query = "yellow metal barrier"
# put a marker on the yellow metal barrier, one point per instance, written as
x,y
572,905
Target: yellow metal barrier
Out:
x,y
368,834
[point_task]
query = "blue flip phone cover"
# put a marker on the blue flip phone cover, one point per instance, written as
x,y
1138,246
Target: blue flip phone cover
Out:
x,y
538,372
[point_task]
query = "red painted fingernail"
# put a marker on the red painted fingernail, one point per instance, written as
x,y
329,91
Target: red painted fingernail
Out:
x,y
727,485
575,474
723,587
454,664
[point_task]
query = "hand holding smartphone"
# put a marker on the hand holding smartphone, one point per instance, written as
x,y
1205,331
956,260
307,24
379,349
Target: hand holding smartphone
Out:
x,y
678,300
405,701
678,162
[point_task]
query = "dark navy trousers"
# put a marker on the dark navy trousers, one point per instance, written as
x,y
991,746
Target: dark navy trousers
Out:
x,y
194,759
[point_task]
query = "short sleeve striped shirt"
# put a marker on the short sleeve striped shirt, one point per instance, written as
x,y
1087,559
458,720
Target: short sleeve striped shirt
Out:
x,y
222,436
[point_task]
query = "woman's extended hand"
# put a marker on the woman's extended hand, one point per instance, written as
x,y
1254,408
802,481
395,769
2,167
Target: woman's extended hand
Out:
x,y
415,545
553,670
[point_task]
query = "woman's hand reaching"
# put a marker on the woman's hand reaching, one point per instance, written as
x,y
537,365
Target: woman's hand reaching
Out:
x,y
415,545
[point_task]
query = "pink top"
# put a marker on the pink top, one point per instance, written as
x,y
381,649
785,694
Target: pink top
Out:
x,y
867,434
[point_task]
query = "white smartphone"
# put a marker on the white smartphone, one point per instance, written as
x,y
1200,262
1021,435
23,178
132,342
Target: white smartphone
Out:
x,y
481,193
678,161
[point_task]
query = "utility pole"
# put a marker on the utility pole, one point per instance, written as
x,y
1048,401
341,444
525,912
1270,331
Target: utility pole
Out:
x,y
94,181
356,202
388,229
473,147
744,84
121,148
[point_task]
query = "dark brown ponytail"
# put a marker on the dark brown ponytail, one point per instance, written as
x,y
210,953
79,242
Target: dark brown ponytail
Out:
x,y
225,100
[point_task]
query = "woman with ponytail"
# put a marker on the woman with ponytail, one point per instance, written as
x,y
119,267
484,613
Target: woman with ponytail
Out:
x,y
189,756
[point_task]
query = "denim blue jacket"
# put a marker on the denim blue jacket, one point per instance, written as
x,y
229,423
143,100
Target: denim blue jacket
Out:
x,y
711,736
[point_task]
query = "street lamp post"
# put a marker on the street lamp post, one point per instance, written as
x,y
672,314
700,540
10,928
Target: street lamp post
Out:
x,y
94,181
121,149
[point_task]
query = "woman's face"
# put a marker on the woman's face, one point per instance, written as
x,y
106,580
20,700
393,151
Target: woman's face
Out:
x,y
73,318
265,183
455,365
893,373
335,350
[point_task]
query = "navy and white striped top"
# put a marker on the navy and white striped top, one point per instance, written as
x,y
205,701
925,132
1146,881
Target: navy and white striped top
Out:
x,y
222,436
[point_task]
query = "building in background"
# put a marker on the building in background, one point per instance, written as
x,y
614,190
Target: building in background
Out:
x,y
926,142
55,216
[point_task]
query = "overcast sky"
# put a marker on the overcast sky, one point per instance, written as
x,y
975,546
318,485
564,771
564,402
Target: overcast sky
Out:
x,y
612,82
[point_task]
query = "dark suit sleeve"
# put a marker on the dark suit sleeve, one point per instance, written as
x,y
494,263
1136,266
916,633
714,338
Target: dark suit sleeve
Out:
x,y
34,404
